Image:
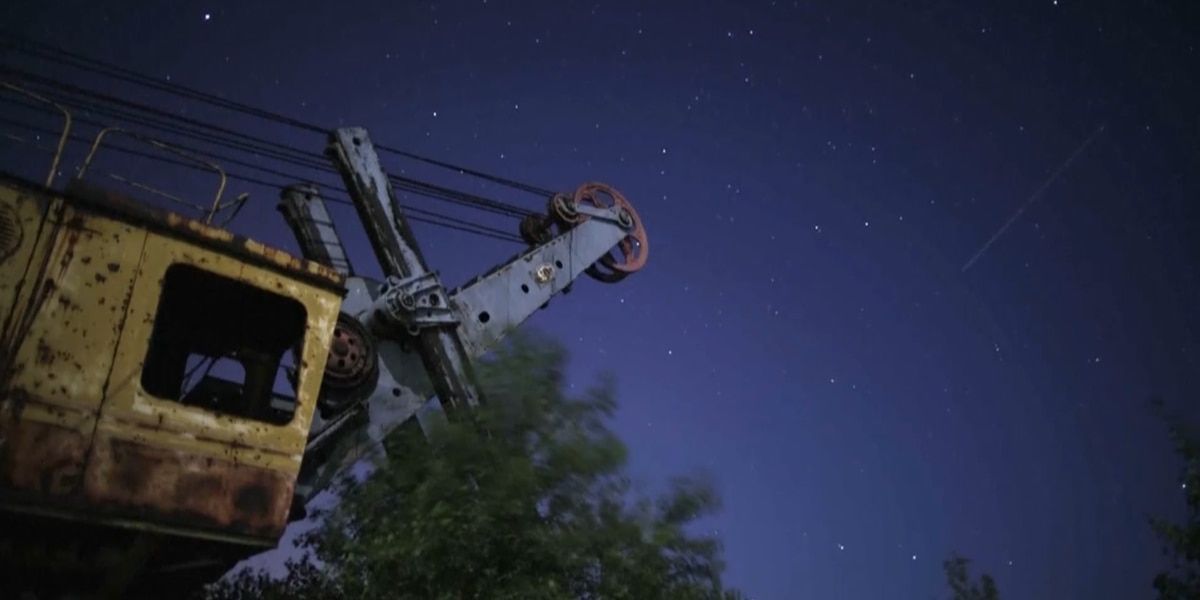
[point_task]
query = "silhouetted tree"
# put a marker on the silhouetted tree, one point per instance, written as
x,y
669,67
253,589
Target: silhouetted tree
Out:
x,y
958,576
1181,540
538,507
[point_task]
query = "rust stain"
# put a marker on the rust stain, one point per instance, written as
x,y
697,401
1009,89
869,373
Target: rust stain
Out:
x,y
173,486
140,215
40,457
118,468
45,354
67,303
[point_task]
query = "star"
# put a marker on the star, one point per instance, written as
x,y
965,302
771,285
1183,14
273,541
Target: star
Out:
x,y
841,547
207,16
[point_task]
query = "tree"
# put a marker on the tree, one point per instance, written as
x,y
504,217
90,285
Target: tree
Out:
x,y
959,578
527,500
1181,540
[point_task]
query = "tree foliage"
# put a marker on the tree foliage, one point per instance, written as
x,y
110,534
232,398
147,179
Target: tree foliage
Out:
x,y
530,500
958,576
1181,540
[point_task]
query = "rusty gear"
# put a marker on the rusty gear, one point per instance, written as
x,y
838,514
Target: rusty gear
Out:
x,y
562,209
351,368
633,250
351,354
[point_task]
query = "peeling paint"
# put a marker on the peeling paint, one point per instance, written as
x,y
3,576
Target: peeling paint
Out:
x,y
77,430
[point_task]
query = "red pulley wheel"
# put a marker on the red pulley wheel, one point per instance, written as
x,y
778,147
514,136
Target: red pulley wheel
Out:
x,y
634,248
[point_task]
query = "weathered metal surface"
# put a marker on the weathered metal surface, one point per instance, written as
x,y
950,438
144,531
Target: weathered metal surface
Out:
x,y
26,212
441,351
215,238
401,389
352,356
492,305
215,434
63,352
305,213
412,304
376,203
44,447
234,452
177,486
488,308
60,346
79,433
635,247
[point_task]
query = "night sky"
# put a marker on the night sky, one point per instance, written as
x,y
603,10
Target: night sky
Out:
x,y
813,178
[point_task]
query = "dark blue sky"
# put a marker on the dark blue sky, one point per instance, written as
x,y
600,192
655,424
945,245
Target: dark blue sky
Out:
x,y
813,177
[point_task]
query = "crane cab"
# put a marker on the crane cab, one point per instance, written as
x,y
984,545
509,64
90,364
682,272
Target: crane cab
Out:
x,y
156,374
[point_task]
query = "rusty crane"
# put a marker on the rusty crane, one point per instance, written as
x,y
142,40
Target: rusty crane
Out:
x,y
143,438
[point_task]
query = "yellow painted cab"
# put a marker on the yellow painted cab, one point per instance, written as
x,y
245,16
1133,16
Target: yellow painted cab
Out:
x,y
156,374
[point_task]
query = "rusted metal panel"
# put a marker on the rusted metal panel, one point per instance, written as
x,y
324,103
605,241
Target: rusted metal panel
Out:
x,y
179,487
74,319
207,432
62,339
221,240
77,430
197,430
42,447
25,244
241,472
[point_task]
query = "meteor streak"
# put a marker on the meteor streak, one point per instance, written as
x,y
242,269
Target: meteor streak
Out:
x,y
1037,194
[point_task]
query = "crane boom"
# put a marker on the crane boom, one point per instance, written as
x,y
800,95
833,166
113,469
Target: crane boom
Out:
x,y
418,339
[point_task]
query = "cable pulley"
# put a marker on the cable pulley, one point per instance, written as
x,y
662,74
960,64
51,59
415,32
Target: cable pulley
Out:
x,y
627,257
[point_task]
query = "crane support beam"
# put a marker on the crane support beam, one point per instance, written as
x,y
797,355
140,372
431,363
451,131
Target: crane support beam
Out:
x,y
492,305
308,218
442,352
